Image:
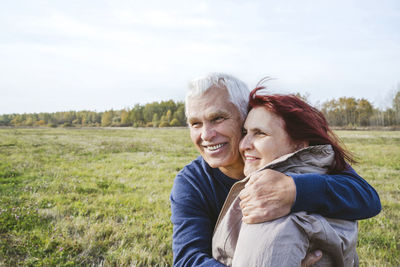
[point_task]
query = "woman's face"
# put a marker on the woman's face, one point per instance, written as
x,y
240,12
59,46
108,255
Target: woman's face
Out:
x,y
264,140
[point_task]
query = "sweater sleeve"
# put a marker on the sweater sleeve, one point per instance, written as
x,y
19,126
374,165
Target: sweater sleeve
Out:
x,y
192,226
341,196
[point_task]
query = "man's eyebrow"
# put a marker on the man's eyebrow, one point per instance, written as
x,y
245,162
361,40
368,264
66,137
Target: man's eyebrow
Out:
x,y
210,116
218,113
192,119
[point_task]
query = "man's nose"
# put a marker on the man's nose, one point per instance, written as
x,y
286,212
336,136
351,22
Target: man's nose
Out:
x,y
208,132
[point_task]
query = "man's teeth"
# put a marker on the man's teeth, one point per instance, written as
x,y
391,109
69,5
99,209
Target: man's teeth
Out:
x,y
212,148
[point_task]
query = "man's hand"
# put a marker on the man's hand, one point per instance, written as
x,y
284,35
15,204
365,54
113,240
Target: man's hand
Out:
x,y
311,258
268,195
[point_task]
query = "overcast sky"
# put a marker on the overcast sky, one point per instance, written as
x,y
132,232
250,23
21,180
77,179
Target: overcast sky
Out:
x,y
96,55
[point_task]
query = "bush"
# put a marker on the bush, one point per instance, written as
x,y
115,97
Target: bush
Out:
x,y
40,123
164,124
68,124
174,123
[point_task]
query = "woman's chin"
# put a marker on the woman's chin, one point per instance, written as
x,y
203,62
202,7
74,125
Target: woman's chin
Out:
x,y
248,171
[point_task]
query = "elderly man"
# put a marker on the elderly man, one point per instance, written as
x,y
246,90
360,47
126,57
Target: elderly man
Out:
x,y
216,107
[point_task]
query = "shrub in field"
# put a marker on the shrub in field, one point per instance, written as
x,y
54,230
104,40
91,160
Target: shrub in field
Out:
x,y
175,122
163,124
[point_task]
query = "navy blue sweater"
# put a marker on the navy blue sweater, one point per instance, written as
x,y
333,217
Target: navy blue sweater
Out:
x,y
199,192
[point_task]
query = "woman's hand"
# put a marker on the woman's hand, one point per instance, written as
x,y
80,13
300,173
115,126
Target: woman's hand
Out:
x,y
268,195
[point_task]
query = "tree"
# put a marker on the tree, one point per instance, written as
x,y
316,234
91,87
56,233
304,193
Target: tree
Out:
x,y
389,117
164,121
136,115
18,119
106,118
168,116
163,124
116,120
179,114
396,106
85,119
332,112
364,112
41,123
174,123
95,118
45,117
348,111
155,120
348,106
125,118
5,120
29,121
149,111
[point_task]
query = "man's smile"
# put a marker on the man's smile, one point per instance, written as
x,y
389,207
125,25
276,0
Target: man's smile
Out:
x,y
214,147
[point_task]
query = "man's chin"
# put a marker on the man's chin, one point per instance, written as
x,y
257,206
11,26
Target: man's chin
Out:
x,y
214,163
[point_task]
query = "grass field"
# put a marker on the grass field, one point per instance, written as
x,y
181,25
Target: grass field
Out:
x,y
101,196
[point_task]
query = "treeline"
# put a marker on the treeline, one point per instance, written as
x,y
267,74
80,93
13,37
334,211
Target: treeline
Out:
x,y
342,112
156,114
352,112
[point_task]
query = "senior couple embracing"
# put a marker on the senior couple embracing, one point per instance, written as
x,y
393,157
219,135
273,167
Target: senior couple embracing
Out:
x,y
272,186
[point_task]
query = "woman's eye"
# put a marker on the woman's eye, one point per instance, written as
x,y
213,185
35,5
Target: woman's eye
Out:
x,y
244,132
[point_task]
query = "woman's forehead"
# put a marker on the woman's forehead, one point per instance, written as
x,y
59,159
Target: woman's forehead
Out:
x,y
260,117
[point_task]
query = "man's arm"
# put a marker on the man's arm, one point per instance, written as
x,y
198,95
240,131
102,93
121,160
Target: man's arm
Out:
x,y
270,195
343,196
192,227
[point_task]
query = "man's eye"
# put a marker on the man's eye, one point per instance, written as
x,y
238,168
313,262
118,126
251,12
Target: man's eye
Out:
x,y
218,119
244,132
195,124
259,133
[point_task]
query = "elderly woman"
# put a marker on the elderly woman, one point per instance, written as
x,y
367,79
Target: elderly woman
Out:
x,y
285,134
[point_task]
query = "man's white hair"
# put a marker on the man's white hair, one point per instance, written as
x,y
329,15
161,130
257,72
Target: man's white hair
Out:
x,y
238,90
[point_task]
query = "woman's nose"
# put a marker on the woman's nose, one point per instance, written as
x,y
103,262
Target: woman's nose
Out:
x,y
245,143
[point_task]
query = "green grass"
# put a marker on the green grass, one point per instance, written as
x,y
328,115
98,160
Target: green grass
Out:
x,y
101,196
379,163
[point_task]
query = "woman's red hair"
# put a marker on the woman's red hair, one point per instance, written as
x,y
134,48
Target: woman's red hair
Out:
x,y
303,123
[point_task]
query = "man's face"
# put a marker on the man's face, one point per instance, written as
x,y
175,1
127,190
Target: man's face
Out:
x,y
215,129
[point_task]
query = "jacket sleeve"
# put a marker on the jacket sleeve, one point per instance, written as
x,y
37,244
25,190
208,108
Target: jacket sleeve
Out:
x,y
192,227
342,196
